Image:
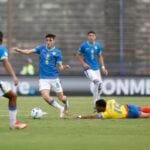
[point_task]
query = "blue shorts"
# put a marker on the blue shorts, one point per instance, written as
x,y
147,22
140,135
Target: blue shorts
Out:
x,y
133,111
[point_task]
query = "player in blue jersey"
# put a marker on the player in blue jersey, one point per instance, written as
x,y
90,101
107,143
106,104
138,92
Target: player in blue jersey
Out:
x,y
6,91
50,62
90,56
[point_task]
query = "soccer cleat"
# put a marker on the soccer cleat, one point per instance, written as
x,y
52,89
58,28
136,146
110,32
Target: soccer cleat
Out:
x,y
18,125
62,113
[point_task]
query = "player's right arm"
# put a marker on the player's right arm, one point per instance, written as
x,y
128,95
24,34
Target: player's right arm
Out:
x,y
24,51
7,64
81,60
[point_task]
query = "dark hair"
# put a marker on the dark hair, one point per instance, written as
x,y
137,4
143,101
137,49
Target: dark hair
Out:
x,y
50,36
91,32
101,103
1,37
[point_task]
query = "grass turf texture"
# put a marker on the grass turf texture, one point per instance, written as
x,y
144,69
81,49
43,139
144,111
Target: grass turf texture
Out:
x,y
52,133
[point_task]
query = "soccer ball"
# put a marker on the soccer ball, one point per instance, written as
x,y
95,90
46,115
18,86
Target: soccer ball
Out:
x,y
36,113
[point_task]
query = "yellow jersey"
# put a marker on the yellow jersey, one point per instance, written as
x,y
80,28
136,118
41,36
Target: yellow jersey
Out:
x,y
114,110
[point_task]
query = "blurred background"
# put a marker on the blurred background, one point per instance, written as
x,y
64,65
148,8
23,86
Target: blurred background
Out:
x,y
122,26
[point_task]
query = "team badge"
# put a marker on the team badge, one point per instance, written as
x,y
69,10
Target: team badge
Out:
x,y
96,47
53,53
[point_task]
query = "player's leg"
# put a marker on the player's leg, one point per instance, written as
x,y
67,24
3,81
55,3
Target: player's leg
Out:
x,y
12,107
64,100
45,93
98,75
95,85
93,89
50,100
56,86
144,115
145,109
134,111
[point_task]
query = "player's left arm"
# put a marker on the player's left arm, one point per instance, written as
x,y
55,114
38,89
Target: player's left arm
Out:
x,y
101,61
60,65
99,116
10,70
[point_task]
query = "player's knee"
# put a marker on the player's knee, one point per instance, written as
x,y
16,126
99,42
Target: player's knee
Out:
x,y
64,97
14,96
11,95
45,97
97,83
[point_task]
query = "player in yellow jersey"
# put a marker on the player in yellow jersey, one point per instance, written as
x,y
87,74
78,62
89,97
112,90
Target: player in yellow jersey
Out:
x,y
112,110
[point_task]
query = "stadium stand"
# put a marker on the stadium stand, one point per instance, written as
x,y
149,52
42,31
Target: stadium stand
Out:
x,y
70,20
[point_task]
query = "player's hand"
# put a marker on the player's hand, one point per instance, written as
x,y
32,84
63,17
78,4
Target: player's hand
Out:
x,y
104,70
66,67
86,66
79,117
16,49
16,81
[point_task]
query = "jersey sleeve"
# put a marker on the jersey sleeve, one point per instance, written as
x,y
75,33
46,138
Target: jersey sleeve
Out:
x,y
80,50
104,115
38,49
3,54
59,57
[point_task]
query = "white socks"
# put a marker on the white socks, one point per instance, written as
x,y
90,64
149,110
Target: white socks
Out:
x,y
66,104
56,105
96,91
12,117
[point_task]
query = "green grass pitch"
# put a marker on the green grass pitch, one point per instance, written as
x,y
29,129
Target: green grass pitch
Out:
x,y
52,133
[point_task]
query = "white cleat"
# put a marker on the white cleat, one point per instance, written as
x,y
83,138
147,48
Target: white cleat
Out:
x,y
18,125
62,113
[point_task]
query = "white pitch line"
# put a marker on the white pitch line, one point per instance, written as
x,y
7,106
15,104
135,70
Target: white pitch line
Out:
x,y
3,115
17,115
20,111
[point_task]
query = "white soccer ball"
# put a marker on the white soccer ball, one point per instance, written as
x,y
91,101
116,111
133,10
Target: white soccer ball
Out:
x,y
36,113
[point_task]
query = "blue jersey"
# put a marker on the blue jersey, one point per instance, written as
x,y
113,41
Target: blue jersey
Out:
x,y
90,52
48,60
3,52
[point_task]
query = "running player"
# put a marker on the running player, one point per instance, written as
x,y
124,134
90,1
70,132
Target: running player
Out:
x,y
90,56
6,91
50,62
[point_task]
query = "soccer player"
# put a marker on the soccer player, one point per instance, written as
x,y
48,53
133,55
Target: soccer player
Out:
x,y
6,91
90,56
112,110
50,62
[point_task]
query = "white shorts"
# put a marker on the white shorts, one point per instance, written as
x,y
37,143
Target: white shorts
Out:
x,y
4,88
93,75
50,84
